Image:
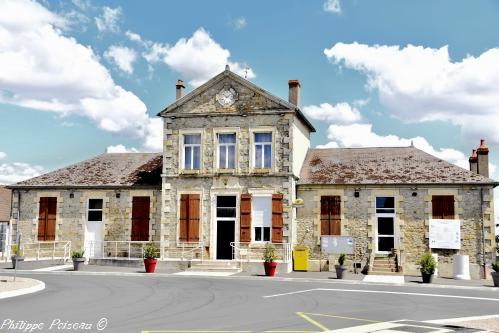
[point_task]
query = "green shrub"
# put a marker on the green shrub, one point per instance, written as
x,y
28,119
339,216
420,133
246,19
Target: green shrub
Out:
x,y
15,251
151,251
341,259
269,253
427,263
77,254
495,266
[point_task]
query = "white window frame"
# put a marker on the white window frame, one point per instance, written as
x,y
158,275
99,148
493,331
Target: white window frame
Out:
x,y
269,222
389,215
253,144
182,145
216,133
95,210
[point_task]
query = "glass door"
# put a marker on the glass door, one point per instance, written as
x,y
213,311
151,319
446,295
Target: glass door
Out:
x,y
226,221
385,224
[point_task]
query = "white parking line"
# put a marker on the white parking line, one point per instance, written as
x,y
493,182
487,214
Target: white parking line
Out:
x,y
384,292
53,268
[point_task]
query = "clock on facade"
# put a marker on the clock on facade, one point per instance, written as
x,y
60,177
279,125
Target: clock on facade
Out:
x,y
226,96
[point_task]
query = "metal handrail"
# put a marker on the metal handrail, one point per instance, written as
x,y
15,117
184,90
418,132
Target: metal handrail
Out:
x,y
191,250
48,247
236,250
117,247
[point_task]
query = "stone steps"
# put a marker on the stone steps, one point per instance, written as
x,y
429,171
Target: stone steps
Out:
x,y
215,266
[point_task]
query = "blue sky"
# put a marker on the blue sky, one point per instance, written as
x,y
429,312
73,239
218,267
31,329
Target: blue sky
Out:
x,y
95,73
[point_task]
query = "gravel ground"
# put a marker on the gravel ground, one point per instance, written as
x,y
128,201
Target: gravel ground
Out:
x,y
7,283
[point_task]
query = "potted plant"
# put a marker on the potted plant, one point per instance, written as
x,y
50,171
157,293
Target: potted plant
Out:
x,y
495,273
269,258
427,266
17,256
340,269
78,259
151,255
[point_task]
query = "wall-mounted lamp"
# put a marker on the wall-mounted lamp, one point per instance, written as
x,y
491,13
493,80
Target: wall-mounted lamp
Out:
x,y
118,195
356,194
414,194
71,195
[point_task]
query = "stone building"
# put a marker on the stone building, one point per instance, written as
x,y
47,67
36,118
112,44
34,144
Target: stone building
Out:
x,y
385,199
235,159
5,204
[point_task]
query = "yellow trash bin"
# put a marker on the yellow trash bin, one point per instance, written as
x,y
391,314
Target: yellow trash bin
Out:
x,y
300,258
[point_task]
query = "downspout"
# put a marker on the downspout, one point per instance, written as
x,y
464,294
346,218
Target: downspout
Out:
x,y
483,234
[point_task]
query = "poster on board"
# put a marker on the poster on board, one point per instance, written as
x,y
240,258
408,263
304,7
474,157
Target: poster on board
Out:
x,y
337,244
445,234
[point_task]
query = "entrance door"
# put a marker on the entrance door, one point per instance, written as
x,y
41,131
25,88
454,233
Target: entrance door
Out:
x,y
226,221
93,229
385,224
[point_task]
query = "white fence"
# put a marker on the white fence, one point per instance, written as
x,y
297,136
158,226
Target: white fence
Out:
x,y
47,250
252,251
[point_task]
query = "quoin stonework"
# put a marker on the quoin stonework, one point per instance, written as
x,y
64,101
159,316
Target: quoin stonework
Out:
x,y
236,161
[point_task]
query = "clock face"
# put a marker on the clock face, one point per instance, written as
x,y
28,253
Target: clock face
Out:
x,y
226,97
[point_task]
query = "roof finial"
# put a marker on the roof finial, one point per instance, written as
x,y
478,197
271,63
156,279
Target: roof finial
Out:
x,y
227,67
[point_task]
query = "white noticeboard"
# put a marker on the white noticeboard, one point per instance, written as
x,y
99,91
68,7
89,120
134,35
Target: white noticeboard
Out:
x,y
445,234
337,244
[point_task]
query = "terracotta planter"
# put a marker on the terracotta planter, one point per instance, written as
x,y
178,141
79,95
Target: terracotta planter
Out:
x,y
77,262
495,278
270,268
427,278
150,265
15,261
339,271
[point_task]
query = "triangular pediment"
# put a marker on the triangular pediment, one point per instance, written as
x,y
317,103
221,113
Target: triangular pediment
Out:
x,y
227,92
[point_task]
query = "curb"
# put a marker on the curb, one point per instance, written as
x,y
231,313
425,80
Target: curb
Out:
x,y
23,291
262,278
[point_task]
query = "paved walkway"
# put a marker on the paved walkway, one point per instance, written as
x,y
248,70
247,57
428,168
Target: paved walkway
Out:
x,y
20,286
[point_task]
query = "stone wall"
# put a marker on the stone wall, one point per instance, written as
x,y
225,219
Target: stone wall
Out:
x,y
72,212
413,212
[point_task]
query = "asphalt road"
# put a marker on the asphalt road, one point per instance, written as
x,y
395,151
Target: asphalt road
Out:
x,y
194,304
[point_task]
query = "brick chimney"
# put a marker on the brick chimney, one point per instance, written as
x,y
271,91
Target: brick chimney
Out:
x,y
294,92
180,89
483,159
473,162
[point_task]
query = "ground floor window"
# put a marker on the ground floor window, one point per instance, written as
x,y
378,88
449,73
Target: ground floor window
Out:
x,y
331,215
140,218
262,218
47,218
442,207
189,218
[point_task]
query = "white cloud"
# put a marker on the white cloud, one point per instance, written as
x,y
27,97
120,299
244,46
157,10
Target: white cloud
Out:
x,y
15,172
154,139
108,20
332,6
197,59
2,155
340,113
122,56
134,37
43,69
120,149
420,84
362,135
238,23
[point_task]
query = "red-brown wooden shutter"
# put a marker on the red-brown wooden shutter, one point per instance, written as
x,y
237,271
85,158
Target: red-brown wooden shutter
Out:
x,y
193,224
140,218
189,217
331,215
277,220
182,224
443,207
47,219
245,223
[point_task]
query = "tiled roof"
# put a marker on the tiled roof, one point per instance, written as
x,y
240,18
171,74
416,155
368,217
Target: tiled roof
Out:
x,y
116,169
396,165
5,198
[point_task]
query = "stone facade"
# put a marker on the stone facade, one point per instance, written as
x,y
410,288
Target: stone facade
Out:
x,y
202,114
72,214
413,212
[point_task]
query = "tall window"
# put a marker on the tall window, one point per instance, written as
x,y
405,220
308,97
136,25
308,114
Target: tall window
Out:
x,y
192,151
443,207
385,224
330,215
262,218
189,218
95,210
263,150
227,151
